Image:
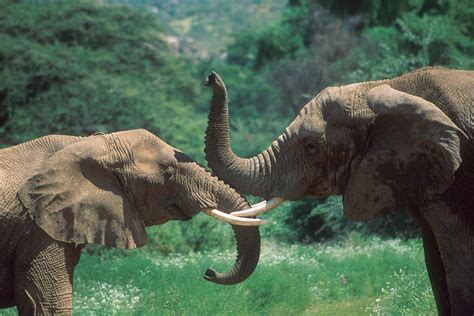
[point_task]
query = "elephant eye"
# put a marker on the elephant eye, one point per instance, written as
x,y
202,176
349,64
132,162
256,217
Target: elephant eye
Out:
x,y
311,146
168,172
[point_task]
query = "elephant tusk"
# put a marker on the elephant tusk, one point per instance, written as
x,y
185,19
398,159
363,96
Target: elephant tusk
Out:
x,y
260,208
234,220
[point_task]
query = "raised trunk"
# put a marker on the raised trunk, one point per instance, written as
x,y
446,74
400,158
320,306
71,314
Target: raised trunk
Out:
x,y
247,175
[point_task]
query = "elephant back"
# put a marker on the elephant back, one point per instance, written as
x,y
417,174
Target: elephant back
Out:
x,y
452,91
17,163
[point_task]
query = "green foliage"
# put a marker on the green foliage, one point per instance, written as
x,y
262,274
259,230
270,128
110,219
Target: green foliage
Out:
x,y
320,220
432,34
277,42
200,234
404,294
243,51
379,12
98,69
284,38
204,28
307,220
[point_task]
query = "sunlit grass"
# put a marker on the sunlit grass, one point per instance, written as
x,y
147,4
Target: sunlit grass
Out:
x,y
355,277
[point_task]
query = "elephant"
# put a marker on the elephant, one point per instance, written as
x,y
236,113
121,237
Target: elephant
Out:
x,y
61,192
404,142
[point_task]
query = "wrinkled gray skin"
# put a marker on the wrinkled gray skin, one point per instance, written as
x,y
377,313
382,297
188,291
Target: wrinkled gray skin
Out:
x,y
61,192
383,145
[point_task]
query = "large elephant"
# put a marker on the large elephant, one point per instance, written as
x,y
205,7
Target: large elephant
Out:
x,y
405,142
62,192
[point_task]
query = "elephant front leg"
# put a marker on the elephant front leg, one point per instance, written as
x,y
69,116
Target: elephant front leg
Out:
x,y
26,304
459,265
454,236
436,271
434,264
43,277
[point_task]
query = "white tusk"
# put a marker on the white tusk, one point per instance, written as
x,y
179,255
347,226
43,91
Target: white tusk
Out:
x,y
259,204
234,220
260,208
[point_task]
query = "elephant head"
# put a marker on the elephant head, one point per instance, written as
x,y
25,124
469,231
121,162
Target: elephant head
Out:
x,y
377,146
106,189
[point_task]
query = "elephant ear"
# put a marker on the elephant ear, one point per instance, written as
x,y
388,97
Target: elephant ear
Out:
x,y
75,197
412,154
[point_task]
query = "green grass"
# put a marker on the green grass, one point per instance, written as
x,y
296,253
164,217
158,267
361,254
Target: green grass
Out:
x,y
355,277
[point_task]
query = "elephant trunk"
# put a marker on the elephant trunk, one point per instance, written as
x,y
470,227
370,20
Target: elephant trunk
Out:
x,y
247,237
248,254
247,175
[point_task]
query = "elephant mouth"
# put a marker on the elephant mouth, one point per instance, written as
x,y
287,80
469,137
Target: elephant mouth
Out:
x,y
178,213
318,190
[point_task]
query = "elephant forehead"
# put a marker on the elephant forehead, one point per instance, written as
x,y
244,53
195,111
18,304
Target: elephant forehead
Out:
x,y
312,126
333,104
342,98
152,155
308,121
346,106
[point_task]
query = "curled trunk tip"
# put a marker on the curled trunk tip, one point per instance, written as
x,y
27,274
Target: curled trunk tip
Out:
x,y
248,254
215,81
210,274
211,79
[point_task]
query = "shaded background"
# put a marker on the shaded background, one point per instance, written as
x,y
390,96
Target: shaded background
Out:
x,y
81,67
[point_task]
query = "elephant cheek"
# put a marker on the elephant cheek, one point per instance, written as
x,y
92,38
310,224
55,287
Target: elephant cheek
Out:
x,y
157,221
169,213
319,191
175,213
320,184
361,204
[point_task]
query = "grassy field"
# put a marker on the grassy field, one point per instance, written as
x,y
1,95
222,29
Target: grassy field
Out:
x,y
352,278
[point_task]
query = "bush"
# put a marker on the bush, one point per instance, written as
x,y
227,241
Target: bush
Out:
x,y
418,38
273,42
99,69
318,220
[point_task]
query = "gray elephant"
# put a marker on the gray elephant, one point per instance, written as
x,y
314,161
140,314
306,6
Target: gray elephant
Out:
x,y
405,142
62,192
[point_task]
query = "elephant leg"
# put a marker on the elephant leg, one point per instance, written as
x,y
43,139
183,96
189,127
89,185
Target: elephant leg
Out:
x,y
459,267
434,265
454,236
436,271
26,303
43,277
